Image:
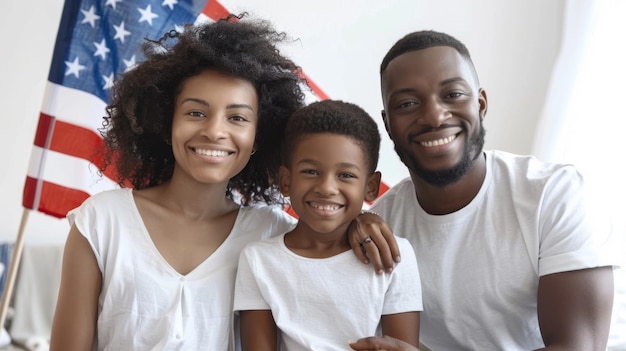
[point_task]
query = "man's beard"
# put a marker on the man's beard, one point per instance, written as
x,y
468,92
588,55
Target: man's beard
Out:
x,y
473,149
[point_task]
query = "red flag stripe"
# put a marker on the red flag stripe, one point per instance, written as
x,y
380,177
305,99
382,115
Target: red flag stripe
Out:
x,y
73,140
55,200
214,10
316,89
43,130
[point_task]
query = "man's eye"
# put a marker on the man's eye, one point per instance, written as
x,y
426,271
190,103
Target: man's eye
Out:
x,y
407,104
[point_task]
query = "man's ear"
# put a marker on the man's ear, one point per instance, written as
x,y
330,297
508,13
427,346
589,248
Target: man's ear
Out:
x,y
285,180
385,122
373,185
482,103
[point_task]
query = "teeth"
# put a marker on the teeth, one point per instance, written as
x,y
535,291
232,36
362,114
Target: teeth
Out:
x,y
326,207
213,153
438,142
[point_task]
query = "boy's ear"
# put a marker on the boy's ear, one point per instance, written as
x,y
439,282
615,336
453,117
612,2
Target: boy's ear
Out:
x,y
373,185
285,180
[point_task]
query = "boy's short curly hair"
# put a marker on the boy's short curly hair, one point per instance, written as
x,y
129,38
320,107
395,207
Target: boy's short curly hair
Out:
x,y
334,117
137,129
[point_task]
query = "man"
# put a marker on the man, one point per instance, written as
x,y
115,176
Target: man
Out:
x,y
508,256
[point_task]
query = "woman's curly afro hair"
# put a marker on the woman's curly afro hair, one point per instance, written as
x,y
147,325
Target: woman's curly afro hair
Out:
x,y
137,129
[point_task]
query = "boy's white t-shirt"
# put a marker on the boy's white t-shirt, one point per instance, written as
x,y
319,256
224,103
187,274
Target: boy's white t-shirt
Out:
x,y
322,303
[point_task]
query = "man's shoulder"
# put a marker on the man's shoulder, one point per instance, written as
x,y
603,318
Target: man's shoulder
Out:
x,y
527,166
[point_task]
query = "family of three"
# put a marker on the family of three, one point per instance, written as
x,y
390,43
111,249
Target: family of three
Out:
x,y
476,250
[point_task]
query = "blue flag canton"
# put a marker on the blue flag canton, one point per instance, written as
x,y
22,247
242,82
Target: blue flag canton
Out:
x,y
98,40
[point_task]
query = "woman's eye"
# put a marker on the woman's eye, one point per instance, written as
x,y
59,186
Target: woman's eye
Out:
x,y
238,118
197,114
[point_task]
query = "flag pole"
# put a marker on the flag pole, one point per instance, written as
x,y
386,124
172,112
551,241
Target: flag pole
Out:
x,y
12,269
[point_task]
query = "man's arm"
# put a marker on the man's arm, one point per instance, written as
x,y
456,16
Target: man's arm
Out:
x,y
574,309
381,249
258,331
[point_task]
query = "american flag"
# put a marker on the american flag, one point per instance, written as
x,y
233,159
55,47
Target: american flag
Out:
x,y
97,40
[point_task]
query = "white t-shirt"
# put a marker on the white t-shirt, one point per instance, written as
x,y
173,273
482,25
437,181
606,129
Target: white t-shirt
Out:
x,y
322,303
147,305
480,266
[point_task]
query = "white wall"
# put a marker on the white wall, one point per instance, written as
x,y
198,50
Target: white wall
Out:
x,y
513,43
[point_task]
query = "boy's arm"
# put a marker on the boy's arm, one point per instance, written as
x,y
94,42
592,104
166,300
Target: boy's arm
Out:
x,y
403,326
381,249
574,308
258,331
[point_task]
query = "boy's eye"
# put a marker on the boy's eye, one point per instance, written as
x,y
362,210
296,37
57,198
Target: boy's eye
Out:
x,y
309,171
346,175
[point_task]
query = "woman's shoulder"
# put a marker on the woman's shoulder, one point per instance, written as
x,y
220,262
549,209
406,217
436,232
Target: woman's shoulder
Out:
x,y
108,198
270,220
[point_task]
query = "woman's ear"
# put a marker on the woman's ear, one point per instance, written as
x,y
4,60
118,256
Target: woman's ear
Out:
x,y
373,186
285,180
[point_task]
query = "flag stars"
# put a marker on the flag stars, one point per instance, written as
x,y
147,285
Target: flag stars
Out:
x,y
120,32
112,3
101,49
108,81
169,3
130,64
74,67
147,15
90,16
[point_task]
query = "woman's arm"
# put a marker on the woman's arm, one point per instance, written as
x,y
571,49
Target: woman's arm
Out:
x,y
258,331
76,315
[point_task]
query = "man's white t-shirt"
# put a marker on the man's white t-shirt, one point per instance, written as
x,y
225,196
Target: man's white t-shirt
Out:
x,y
480,266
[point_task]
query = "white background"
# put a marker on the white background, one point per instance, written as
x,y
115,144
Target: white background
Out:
x,y
340,44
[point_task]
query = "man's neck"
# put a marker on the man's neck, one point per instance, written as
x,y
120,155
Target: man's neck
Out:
x,y
451,198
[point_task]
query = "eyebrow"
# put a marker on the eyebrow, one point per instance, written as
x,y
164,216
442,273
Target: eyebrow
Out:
x,y
342,164
452,80
205,103
441,84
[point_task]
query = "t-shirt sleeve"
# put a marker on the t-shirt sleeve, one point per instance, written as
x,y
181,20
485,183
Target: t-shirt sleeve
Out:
x,y
572,233
248,295
405,290
88,218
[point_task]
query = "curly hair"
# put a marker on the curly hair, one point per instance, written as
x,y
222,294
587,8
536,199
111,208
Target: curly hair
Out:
x,y
334,117
423,40
137,130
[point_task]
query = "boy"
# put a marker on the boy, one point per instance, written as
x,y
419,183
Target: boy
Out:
x,y
302,290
